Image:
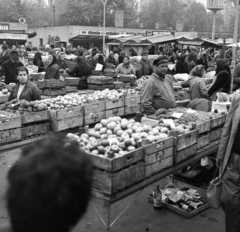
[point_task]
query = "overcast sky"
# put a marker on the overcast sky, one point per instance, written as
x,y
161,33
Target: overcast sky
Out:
x,y
203,1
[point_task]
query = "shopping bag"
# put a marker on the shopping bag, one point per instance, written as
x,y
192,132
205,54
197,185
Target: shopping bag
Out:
x,y
214,191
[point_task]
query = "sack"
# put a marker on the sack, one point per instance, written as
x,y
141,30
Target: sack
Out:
x,y
214,192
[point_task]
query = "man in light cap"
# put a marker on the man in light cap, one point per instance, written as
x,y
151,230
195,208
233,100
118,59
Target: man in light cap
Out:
x,y
144,68
158,92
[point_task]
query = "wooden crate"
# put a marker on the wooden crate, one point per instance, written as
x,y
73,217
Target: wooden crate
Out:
x,y
109,73
217,122
186,140
215,134
115,112
36,129
118,85
100,87
66,113
159,161
70,89
7,123
112,104
95,107
39,116
96,72
184,154
117,163
94,117
203,141
54,92
114,182
9,136
203,126
100,80
71,81
51,83
124,78
4,98
67,123
132,100
132,109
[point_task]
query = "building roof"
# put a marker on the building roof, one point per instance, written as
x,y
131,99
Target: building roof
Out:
x,y
88,37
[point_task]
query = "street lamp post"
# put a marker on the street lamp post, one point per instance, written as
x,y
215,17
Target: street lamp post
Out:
x,y
104,21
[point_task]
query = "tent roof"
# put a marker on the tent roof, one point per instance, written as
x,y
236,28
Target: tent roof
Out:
x,y
7,36
199,42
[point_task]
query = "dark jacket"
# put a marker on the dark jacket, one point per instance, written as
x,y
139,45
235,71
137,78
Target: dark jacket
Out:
x,y
38,62
203,63
29,93
80,70
9,69
93,63
236,77
62,64
52,72
143,68
222,83
4,57
181,67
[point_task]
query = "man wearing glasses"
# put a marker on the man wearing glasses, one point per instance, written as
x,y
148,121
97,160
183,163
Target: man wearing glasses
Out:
x,y
158,92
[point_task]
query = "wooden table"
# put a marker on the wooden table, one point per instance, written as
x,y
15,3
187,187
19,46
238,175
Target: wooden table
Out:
x,y
108,200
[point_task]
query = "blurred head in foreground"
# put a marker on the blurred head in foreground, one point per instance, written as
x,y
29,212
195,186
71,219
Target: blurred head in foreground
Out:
x,y
49,186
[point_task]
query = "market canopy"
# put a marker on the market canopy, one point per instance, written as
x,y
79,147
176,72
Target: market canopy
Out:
x,y
233,45
199,42
87,37
9,36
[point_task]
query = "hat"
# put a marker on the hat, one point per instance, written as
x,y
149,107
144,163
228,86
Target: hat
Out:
x,y
144,53
160,60
206,161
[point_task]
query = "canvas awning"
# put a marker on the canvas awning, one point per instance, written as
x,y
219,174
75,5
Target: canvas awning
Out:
x,y
87,38
199,42
7,36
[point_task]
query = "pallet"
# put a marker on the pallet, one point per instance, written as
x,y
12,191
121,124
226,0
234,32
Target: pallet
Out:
x,y
71,81
219,121
32,117
186,140
111,183
184,154
203,141
10,136
36,129
7,122
71,89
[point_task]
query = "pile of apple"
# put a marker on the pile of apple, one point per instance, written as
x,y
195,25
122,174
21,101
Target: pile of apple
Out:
x,y
116,137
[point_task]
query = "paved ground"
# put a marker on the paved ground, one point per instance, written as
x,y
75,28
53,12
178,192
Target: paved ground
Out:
x,y
140,216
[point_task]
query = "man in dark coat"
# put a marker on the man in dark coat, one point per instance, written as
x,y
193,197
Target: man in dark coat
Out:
x,y
144,68
94,60
5,54
203,61
9,68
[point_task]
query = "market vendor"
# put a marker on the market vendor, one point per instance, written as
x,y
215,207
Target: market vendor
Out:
x,y
25,89
125,68
52,70
94,60
236,77
222,80
158,92
37,60
144,68
62,64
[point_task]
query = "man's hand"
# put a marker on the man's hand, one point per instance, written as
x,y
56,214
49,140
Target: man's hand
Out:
x,y
219,163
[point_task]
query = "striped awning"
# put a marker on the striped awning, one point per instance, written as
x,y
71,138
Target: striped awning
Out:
x,y
7,36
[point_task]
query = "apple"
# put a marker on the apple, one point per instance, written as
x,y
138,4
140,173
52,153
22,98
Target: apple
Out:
x,y
84,135
124,124
129,131
164,130
155,131
146,128
115,148
104,136
104,143
131,148
116,129
139,130
132,121
109,132
130,125
101,150
103,130
128,142
136,136
104,122
144,135
151,138
98,126
95,152
111,125
120,132
125,136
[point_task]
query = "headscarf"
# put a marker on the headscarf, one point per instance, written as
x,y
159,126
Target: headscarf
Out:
x,y
196,71
222,66
54,60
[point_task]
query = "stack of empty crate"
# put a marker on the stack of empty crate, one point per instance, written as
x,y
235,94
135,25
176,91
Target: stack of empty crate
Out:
x,y
72,84
100,82
52,87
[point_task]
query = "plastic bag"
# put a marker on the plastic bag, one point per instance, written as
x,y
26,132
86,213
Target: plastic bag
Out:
x,y
220,105
181,77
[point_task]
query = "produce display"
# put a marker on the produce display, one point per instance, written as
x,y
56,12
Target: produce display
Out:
x,y
185,122
6,89
116,137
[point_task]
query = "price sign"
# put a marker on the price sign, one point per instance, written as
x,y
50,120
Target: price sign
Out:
x,y
215,5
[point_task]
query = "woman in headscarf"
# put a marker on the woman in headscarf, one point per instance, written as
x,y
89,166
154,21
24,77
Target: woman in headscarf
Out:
x,y
52,70
222,80
81,70
37,60
61,62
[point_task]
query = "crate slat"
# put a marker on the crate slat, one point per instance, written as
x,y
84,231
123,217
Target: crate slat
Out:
x,y
95,107
186,140
112,104
9,136
31,117
66,113
15,121
215,134
67,123
33,130
184,154
158,156
94,117
132,100
71,81
115,112
219,121
203,141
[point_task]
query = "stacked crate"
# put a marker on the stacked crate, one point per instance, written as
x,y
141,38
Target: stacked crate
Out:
x,y
10,127
132,104
115,107
217,127
35,124
72,84
100,82
94,112
52,87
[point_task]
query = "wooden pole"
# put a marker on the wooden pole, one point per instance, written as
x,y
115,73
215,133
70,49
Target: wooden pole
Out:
x,y
236,4
214,25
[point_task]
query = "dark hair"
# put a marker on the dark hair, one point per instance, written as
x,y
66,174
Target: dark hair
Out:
x,y
191,57
14,52
4,47
21,69
94,53
52,46
54,59
204,55
50,186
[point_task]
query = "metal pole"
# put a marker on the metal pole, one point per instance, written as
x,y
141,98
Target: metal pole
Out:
x,y
214,25
104,21
236,3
